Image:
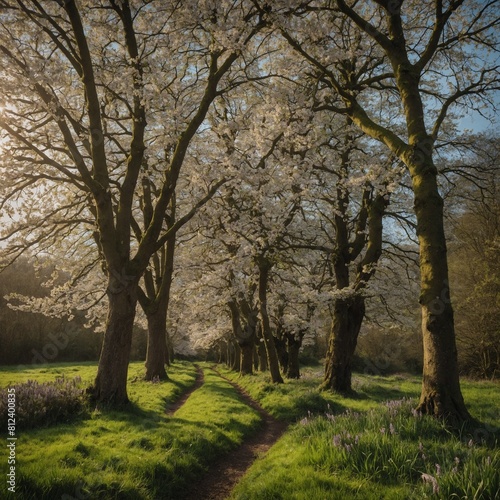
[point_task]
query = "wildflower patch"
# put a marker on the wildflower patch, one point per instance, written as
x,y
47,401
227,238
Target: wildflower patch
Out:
x,y
42,404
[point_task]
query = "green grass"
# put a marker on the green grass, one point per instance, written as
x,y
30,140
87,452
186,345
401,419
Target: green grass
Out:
x,y
341,448
298,398
10,375
336,448
139,454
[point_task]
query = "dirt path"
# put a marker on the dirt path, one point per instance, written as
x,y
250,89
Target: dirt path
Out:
x,y
224,474
172,408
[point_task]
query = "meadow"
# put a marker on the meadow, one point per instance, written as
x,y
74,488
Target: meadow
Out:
x,y
373,445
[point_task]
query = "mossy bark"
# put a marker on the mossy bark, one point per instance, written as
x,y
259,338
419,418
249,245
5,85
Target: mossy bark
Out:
x,y
246,364
347,318
441,395
156,353
110,385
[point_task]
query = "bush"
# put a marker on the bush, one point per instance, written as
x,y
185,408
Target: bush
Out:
x,y
38,405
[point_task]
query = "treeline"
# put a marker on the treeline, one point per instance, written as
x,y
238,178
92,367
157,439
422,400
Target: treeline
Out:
x,y
390,341
33,338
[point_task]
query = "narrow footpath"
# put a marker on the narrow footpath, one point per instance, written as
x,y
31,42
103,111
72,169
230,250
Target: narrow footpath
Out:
x,y
171,409
223,474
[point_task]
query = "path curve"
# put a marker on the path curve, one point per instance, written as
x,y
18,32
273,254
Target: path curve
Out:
x,y
173,407
223,475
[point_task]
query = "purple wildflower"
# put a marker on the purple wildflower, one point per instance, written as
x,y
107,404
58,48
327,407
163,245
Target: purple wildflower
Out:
x,y
427,478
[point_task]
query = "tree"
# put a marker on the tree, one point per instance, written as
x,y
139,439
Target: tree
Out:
x,y
83,128
406,65
355,236
257,209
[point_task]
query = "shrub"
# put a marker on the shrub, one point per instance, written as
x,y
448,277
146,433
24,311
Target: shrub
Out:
x,y
38,405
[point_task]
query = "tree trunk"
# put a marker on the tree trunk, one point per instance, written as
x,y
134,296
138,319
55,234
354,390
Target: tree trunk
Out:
x,y
110,385
293,368
246,364
245,337
228,355
255,357
272,357
347,318
156,309
237,357
280,344
441,395
156,353
261,348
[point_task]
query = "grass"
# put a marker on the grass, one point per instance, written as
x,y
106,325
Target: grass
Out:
x,y
372,446
10,375
139,454
297,398
359,448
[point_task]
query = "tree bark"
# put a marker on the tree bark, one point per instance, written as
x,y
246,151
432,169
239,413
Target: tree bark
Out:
x,y
170,354
244,335
293,348
272,357
246,364
255,357
155,305
236,364
228,354
110,385
157,353
262,357
347,318
441,395
281,350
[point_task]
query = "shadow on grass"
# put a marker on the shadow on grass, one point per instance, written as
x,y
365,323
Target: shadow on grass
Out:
x,y
380,393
